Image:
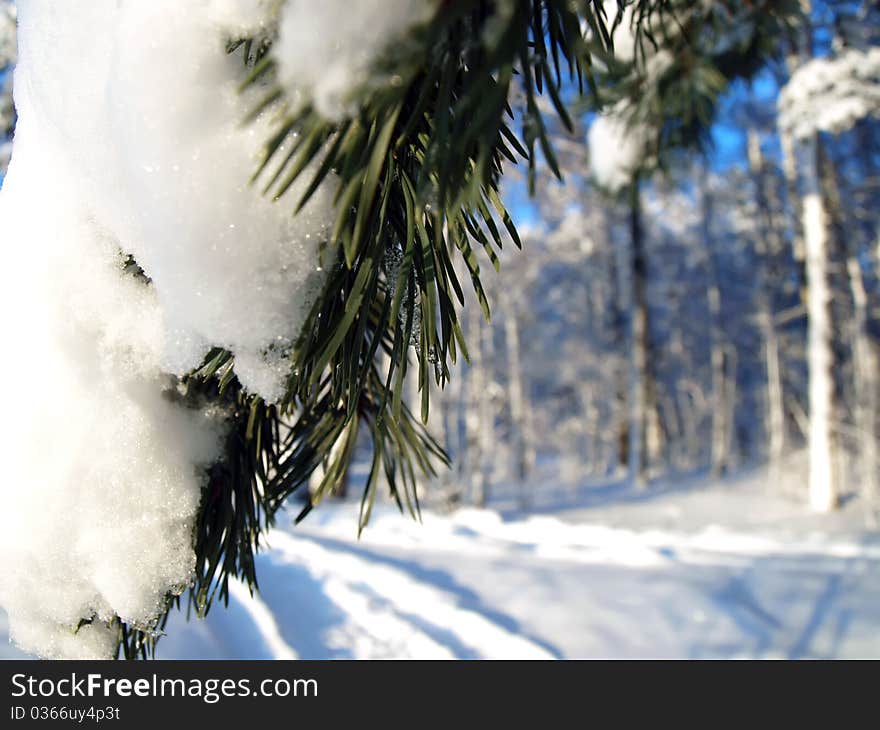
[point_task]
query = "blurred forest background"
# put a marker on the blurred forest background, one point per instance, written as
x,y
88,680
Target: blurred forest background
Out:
x,y
701,295
682,365
704,308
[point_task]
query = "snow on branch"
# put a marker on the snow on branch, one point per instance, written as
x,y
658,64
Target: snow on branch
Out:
x,y
327,52
617,148
122,150
831,94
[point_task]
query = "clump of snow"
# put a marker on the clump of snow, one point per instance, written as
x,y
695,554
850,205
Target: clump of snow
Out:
x,y
129,141
623,32
831,94
100,485
617,149
169,180
629,48
327,51
617,142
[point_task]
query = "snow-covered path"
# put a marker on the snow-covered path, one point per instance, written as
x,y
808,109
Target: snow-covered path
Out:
x,y
658,579
473,585
337,599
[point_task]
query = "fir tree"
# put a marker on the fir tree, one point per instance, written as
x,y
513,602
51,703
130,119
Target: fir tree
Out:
x,y
415,161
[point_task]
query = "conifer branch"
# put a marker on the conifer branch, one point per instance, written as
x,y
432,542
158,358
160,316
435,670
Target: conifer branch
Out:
x,y
416,172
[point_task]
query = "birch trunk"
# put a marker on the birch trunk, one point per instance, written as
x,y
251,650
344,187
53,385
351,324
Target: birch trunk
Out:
x,y
823,488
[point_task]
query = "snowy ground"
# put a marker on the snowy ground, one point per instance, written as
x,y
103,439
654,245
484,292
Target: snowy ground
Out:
x,y
727,571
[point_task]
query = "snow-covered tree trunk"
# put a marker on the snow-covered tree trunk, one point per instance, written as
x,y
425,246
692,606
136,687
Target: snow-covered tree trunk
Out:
x,y
638,385
823,488
801,155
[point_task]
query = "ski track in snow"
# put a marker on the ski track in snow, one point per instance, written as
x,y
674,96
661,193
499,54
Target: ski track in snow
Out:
x,y
390,594
473,585
263,620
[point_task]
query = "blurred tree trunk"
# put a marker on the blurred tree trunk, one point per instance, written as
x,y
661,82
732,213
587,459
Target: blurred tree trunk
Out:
x,y
864,356
478,423
824,493
770,246
721,419
823,487
453,479
619,264
865,350
799,51
521,440
865,364
691,412
790,172
639,345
